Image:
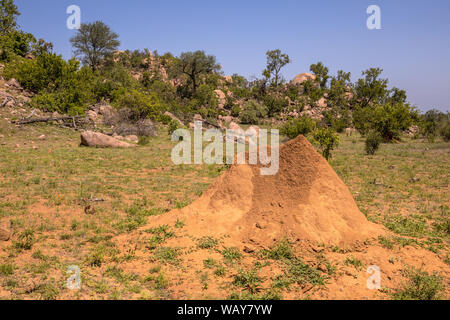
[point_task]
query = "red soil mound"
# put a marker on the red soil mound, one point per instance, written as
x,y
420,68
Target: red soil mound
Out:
x,y
305,200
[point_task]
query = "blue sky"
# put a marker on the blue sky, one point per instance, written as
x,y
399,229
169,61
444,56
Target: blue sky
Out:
x,y
413,46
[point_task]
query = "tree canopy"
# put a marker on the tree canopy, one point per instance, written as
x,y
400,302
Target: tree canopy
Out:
x,y
194,64
8,16
275,62
93,42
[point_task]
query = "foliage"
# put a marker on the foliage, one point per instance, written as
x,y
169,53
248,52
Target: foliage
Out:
x,y
93,42
16,43
303,125
142,105
373,141
321,73
371,89
8,16
327,140
421,286
274,104
252,112
275,62
195,64
48,71
389,120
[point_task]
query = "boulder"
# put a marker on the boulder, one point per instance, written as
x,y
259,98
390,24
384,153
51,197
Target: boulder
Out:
x,y
100,140
132,138
92,115
221,97
234,126
303,77
13,83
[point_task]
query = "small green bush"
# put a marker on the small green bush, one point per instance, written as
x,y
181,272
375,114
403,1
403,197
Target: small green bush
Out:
x,y
421,286
373,141
445,132
293,128
252,112
327,140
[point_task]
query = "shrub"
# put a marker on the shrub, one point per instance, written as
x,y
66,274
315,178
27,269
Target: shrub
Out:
x,y
48,71
421,286
252,112
15,43
373,141
274,104
293,128
389,120
445,132
173,126
141,105
327,140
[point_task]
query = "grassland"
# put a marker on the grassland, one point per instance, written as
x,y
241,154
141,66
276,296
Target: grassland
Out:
x,y
46,186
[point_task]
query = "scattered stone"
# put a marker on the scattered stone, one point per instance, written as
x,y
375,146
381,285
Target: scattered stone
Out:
x,y
41,137
132,138
13,83
221,97
100,140
5,230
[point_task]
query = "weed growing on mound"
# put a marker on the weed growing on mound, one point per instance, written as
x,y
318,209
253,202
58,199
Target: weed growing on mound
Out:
x,y
249,280
295,270
231,255
421,286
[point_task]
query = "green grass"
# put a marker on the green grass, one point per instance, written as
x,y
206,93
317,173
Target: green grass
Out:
x,y
49,225
420,286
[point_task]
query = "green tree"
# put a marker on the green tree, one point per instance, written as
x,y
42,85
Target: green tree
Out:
x,y
388,120
195,64
275,62
327,140
321,73
8,16
93,42
371,89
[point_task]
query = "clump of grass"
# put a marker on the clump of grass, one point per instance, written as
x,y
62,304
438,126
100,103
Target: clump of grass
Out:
x,y
136,217
231,255
159,282
160,234
179,224
26,240
407,226
249,280
167,254
143,141
220,270
301,273
420,286
385,242
209,263
354,262
120,275
207,243
48,291
6,269
281,250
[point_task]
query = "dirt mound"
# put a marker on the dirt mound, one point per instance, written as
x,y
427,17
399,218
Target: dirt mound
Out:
x,y
305,200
